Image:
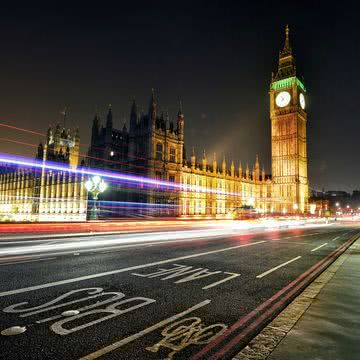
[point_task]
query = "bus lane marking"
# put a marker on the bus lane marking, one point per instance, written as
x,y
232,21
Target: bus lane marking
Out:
x,y
186,274
111,309
118,271
168,333
189,331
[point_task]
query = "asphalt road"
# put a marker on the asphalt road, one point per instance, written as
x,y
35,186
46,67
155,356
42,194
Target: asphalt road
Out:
x,y
201,297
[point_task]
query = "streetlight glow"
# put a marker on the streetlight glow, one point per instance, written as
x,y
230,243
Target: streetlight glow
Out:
x,y
96,186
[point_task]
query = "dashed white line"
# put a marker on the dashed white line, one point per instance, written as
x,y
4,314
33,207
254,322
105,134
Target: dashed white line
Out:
x,y
112,272
232,276
277,267
319,247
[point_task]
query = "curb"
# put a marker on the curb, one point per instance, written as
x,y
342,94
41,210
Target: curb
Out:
x,y
270,337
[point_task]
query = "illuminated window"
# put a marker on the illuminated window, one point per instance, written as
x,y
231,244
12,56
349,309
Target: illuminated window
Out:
x,y
159,151
172,154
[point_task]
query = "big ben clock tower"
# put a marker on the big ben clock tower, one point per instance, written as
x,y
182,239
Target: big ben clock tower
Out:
x,y
288,135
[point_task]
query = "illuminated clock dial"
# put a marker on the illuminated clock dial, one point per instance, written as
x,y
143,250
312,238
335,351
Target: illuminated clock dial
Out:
x,y
302,100
282,99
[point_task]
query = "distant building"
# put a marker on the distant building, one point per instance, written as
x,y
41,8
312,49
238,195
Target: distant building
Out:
x,y
337,201
46,195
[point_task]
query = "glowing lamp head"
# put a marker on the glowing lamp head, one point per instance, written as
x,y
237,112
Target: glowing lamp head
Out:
x,y
96,179
102,186
337,204
89,185
296,206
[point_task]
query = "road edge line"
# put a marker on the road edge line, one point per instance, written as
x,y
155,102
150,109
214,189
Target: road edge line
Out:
x,y
261,347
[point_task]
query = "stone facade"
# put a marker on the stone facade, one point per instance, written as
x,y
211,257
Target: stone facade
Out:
x,y
46,195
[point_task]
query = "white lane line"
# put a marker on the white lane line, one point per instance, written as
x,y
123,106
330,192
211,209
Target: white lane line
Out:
x,y
25,261
277,267
319,247
140,334
232,276
112,272
338,237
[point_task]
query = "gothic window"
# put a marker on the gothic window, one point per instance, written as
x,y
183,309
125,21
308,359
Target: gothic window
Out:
x,y
159,151
172,154
171,178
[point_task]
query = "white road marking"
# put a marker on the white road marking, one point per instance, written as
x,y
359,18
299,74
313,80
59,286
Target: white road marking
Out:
x,y
232,276
277,267
348,232
140,334
112,272
25,261
319,247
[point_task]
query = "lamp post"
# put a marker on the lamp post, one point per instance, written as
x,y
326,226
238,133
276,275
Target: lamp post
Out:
x,y
96,186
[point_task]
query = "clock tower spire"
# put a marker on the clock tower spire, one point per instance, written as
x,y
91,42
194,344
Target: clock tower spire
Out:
x,y
287,66
288,135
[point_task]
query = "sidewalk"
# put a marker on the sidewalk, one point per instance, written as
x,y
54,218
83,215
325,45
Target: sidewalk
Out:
x,y
329,327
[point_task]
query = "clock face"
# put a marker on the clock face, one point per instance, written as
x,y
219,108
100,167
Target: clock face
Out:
x,y
282,99
302,100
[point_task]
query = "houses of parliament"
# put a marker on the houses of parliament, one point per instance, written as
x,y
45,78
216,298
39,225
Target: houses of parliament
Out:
x,y
153,146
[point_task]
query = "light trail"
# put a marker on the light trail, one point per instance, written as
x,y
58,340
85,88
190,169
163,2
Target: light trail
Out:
x,y
156,184
71,242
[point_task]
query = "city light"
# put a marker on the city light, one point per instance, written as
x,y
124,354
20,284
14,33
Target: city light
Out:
x,y
95,186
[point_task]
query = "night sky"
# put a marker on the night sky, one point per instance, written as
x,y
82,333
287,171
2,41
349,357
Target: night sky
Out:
x,y
216,56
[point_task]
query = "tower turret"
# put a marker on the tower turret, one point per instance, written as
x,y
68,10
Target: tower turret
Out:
x,y
263,174
108,129
247,172
223,166
257,168
133,117
193,159
109,119
152,110
49,136
204,161
57,137
214,164
232,169
240,171
180,123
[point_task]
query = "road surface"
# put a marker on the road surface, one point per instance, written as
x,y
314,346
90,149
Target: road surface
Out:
x,y
201,294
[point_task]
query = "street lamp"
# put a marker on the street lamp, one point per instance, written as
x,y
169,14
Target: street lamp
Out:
x,y
337,204
96,186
